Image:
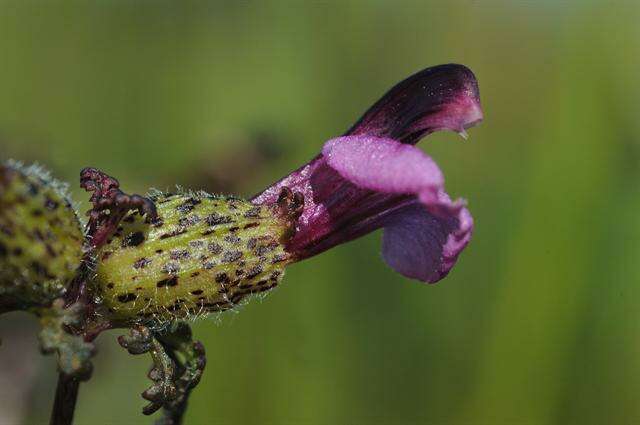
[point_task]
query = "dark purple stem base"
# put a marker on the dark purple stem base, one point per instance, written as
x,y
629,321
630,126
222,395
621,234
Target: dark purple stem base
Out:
x,y
65,403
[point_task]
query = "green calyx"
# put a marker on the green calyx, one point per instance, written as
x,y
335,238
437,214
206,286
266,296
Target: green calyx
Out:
x,y
41,241
202,254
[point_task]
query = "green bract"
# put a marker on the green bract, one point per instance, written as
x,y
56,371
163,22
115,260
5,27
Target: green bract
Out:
x,y
41,241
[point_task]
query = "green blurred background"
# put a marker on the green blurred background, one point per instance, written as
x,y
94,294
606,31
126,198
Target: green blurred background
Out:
x,y
539,321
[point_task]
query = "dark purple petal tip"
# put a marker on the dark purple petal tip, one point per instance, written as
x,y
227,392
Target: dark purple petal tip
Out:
x,y
443,97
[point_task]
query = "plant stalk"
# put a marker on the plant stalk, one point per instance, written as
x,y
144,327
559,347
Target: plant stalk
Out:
x,y
65,401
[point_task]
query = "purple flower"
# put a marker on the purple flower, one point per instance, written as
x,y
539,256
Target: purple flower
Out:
x,y
373,177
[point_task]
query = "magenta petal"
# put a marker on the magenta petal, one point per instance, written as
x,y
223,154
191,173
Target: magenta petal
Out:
x,y
373,178
383,165
421,240
420,245
443,97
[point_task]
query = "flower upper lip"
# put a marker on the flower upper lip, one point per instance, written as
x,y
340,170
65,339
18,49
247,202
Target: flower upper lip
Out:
x,y
443,97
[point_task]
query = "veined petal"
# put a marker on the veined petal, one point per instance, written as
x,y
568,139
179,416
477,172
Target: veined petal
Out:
x,y
383,165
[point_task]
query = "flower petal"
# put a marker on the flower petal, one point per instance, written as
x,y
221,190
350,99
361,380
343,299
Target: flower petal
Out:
x,y
383,165
423,246
443,97
370,178
421,240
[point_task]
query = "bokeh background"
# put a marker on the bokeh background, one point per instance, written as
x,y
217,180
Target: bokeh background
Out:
x,y
539,321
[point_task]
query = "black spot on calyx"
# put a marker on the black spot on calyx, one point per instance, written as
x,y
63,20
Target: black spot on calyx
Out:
x,y
6,230
215,219
171,268
50,204
231,256
255,271
275,275
237,297
222,278
189,221
133,239
179,254
141,263
50,250
176,306
3,250
233,239
197,292
33,189
214,248
188,205
125,298
38,235
41,270
278,258
172,281
173,233
252,212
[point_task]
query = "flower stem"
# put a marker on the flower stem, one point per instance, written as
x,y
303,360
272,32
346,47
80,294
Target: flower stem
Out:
x,y
65,402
